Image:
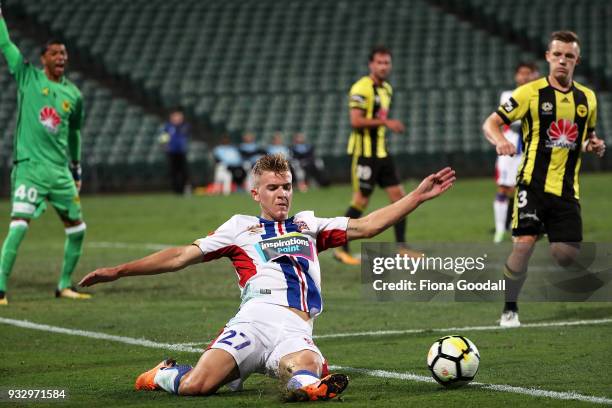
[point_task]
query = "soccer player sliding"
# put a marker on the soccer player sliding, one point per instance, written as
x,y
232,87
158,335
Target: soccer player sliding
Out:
x,y
276,260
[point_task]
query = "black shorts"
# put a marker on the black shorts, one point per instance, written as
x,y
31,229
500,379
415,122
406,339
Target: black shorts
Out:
x,y
366,172
536,212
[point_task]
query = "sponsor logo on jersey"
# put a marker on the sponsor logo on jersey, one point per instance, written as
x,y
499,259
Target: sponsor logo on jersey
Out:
x,y
509,105
562,133
581,110
565,100
294,244
66,106
547,108
45,91
49,118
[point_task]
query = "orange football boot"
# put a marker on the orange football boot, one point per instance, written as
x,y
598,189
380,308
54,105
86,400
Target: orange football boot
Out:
x,y
326,388
146,380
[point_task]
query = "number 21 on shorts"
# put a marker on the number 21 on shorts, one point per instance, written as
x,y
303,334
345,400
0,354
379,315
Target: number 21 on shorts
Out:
x,y
22,193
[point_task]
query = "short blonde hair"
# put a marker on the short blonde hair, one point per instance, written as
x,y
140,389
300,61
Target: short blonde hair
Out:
x,y
276,163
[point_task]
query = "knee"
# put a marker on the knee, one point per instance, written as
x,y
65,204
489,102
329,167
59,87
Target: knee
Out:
x,y
197,385
564,255
304,360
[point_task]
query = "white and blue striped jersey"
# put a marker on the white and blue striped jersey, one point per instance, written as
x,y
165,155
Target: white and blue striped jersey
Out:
x,y
277,262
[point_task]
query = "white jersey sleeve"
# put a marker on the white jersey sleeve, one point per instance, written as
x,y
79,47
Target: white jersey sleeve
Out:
x,y
218,243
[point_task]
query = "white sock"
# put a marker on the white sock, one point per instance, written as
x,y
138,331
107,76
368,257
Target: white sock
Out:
x,y
301,379
169,379
500,210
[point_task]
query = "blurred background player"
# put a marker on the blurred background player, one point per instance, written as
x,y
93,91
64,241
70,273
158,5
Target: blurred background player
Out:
x,y
280,280
506,167
250,151
310,166
175,138
369,103
46,156
229,168
558,116
277,146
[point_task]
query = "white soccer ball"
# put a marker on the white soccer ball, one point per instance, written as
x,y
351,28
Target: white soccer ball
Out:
x,y
453,360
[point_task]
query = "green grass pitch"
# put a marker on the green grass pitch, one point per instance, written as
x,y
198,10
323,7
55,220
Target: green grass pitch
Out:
x,y
191,305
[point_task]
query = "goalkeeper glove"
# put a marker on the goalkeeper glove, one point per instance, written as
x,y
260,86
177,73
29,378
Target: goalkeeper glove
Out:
x,y
75,169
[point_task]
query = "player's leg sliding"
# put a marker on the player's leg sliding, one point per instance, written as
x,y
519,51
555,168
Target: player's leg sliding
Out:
x,y
17,231
500,211
73,248
305,385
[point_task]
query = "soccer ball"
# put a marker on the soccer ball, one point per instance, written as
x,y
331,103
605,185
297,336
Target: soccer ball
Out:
x,y
453,360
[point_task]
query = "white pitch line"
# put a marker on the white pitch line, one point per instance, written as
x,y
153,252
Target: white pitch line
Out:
x,y
463,329
101,336
535,392
373,373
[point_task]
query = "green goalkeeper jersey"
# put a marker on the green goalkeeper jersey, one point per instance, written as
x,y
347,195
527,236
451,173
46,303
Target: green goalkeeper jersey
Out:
x,y
49,114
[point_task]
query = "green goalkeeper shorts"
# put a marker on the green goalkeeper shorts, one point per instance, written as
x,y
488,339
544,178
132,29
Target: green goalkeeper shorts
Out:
x,y
34,183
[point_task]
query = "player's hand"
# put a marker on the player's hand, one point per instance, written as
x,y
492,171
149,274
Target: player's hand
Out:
x,y
436,184
99,276
505,148
395,125
597,146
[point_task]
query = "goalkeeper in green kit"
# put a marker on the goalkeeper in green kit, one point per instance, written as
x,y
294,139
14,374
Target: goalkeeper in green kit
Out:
x,y
46,156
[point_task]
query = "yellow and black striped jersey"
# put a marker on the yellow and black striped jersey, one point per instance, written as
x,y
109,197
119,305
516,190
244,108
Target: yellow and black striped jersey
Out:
x,y
375,101
554,125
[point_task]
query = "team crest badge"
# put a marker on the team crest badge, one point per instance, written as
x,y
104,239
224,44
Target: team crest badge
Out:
x,y
562,133
66,106
301,226
49,118
45,91
581,110
256,229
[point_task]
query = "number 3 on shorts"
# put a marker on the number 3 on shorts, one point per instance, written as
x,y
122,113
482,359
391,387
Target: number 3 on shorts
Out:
x,y
22,193
522,199
243,341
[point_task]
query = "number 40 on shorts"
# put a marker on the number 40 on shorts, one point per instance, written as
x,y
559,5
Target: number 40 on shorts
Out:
x,y
22,192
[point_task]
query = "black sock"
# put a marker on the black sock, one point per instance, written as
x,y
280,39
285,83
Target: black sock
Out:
x,y
352,212
400,230
514,283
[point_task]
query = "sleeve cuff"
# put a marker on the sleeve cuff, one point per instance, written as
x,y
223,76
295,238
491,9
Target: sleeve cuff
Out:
x,y
504,117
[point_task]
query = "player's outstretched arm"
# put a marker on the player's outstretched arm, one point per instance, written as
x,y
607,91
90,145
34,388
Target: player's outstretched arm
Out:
x,y
167,260
10,50
381,219
492,131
